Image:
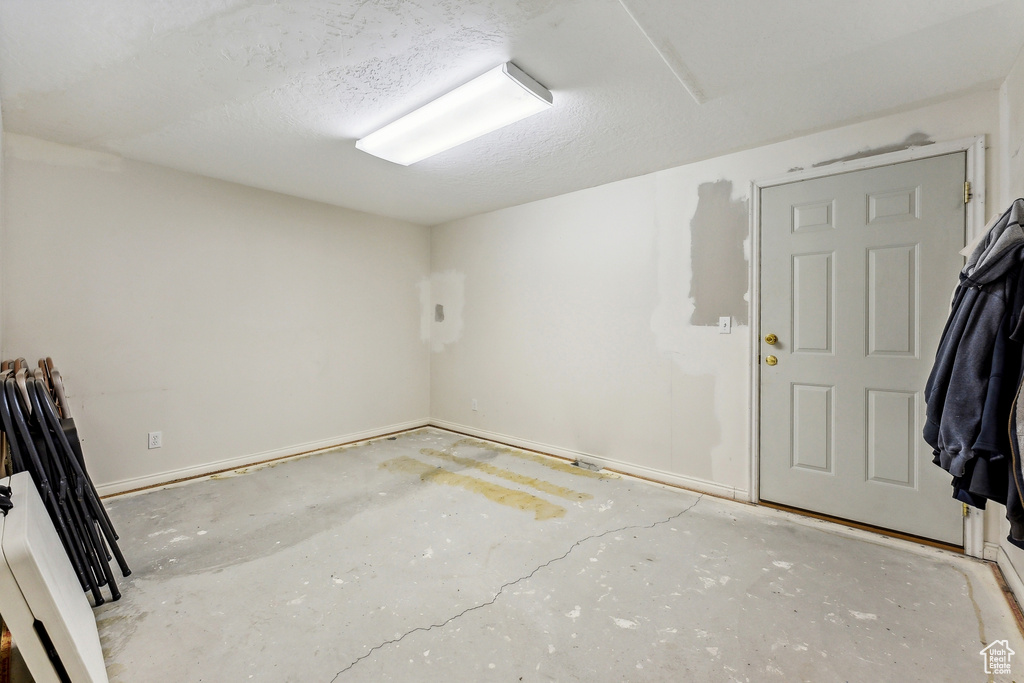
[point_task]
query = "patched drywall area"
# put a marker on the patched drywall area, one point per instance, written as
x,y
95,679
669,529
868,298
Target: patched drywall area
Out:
x,y
696,422
701,277
911,141
718,230
592,335
442,296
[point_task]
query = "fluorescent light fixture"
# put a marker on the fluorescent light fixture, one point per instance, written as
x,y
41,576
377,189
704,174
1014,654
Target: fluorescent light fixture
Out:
x,y
490,101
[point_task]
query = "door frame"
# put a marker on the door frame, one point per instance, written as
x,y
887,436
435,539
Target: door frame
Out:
x,y
976,219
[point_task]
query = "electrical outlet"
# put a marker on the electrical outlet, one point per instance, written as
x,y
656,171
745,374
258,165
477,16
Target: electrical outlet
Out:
x,y
156,439
475,406
724,325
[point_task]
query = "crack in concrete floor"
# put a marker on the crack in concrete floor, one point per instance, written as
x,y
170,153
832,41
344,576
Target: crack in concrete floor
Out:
x,y
330,568
509,584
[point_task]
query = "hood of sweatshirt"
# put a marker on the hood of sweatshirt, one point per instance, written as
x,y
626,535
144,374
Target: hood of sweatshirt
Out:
x,y
999,251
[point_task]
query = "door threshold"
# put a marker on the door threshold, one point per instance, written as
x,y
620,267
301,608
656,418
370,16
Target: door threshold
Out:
x,y
959,549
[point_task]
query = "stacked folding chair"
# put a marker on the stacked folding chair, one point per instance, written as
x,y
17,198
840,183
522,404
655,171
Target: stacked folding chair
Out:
x,y
41,438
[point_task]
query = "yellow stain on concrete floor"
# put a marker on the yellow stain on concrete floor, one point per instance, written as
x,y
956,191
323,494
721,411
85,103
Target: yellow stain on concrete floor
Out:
x,y
532,482
520,500
545,460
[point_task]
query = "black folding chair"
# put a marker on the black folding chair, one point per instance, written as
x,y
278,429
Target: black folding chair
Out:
x,y
72,456
43,476
43,440
67,425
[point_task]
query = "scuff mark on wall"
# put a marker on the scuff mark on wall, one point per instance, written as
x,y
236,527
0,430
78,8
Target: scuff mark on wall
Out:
x,y
441,299
912,140
718,231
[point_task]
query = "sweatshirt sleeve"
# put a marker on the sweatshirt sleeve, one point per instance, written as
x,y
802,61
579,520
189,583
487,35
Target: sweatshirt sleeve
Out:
x,y
960,423
992,434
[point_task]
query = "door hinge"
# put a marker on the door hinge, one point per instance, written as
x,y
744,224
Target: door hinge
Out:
x,y
967,510
967,191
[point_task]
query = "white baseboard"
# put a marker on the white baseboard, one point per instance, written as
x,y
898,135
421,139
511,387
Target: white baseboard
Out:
x,y
991,552
172,476
660,476
1010,575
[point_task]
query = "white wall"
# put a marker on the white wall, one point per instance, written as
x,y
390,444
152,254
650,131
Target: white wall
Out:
x,y
576,332
241,323
1011,558
1012,109
199,308
3,219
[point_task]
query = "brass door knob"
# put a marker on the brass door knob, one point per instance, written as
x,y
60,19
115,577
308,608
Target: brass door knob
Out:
x,y
771,360
770,339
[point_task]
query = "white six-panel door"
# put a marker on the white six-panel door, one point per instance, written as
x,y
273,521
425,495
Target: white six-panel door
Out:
x,y
857,270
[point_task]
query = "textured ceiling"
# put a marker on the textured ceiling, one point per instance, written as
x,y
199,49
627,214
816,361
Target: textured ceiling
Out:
x,y
274,94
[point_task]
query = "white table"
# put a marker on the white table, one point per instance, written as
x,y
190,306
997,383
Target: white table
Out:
x,y
38,585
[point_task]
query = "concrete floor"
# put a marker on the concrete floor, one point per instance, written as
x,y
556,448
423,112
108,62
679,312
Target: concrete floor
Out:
x,y
368,564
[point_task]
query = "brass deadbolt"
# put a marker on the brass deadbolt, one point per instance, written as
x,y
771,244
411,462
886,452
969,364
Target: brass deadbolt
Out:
x,y
770,339
771,360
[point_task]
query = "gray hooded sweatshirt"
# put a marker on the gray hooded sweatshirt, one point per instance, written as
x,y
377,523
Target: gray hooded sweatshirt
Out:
x,y
956,390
